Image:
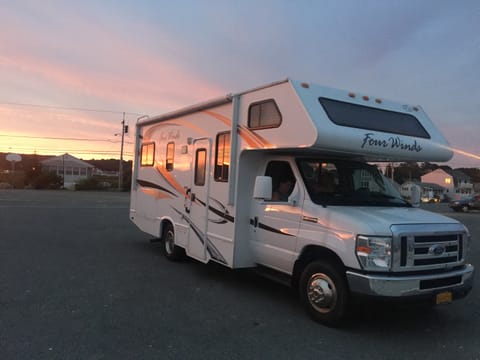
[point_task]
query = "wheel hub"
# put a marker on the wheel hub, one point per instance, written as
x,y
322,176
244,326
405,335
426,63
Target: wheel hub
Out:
x,y
321,293
169,245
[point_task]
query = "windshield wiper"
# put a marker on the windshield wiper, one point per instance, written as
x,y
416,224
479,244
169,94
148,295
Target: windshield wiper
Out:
x,y
386,196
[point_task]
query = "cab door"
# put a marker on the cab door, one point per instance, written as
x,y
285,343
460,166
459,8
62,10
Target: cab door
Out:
x,y
199,200
276,222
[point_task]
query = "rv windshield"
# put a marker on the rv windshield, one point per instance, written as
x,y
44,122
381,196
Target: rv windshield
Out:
x,y
340,182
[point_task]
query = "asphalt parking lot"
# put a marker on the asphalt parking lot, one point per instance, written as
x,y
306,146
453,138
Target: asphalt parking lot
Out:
x,y
79,281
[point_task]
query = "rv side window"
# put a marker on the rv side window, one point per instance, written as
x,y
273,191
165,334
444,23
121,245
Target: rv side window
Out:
x,y
147,154
264,115
369,118
170,156
200,166
222,157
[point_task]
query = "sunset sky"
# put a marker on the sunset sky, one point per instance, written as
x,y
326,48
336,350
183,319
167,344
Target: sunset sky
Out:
x,y
70,69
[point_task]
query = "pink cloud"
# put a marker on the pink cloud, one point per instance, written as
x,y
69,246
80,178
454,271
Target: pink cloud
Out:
x,y
105,66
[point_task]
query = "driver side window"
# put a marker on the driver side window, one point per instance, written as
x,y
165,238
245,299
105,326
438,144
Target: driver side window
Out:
x,y
283,180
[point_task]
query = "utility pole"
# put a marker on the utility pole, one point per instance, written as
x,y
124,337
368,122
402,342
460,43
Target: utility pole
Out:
x,y
63,166
120,165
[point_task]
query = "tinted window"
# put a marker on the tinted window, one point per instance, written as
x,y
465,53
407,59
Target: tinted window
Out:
x,y
222,156
365,117
263,115
147,154
200,166
170,156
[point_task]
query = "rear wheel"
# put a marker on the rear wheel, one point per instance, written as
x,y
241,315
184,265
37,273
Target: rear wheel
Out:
x,y
324,292
465,208
170,250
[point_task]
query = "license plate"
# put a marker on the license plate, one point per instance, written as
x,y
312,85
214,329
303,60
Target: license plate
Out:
x,y
444,298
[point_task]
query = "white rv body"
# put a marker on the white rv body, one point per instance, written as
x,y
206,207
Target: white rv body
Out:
x,y
202,170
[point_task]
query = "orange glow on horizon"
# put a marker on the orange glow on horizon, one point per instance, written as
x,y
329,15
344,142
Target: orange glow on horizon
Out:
x,y
28,143
43,131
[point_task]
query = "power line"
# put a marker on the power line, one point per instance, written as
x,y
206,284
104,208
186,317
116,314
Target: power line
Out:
x,y
62,138
81,151
54,149
49,148
69,108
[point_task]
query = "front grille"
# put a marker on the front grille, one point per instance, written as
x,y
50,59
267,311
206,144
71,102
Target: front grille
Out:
x,y
417,247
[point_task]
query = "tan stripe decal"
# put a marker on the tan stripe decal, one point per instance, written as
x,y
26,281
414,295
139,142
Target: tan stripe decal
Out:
x,y
262,142
220,117
246,136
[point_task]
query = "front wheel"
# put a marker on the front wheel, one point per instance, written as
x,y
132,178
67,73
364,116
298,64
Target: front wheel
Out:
x,y
170,250
324,292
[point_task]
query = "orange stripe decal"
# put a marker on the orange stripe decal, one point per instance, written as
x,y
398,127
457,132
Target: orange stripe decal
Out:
x,y
157,194
170,179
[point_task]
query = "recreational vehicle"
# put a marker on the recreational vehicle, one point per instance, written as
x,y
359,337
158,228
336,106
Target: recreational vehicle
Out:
x,y
284,178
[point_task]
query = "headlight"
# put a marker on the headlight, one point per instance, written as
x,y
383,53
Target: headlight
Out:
x,y
374,253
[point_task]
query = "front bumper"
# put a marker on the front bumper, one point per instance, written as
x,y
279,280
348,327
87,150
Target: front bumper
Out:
x,y
460,282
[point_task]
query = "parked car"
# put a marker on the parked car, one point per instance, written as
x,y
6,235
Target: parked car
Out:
x,y
466,204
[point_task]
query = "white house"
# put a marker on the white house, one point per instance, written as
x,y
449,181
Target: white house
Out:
x,y
442,178
463,184
71,169
457,184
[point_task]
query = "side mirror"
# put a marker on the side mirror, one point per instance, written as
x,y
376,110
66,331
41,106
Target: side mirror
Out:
x,y
415,196
263,188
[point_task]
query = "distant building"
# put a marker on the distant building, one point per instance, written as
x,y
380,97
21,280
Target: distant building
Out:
x,y
441,178
463,184
71,169
456,183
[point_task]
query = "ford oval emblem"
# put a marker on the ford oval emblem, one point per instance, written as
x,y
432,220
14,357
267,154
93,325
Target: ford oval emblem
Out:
x,y
436,250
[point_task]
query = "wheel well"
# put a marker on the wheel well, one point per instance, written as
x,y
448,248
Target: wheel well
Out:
x,y
309,254
163,225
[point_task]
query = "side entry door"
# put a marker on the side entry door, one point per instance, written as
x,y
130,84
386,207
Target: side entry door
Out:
x,y
277,221
198,194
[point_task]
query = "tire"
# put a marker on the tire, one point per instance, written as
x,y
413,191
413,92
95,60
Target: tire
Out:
x,y
171,251
324,293
465,208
